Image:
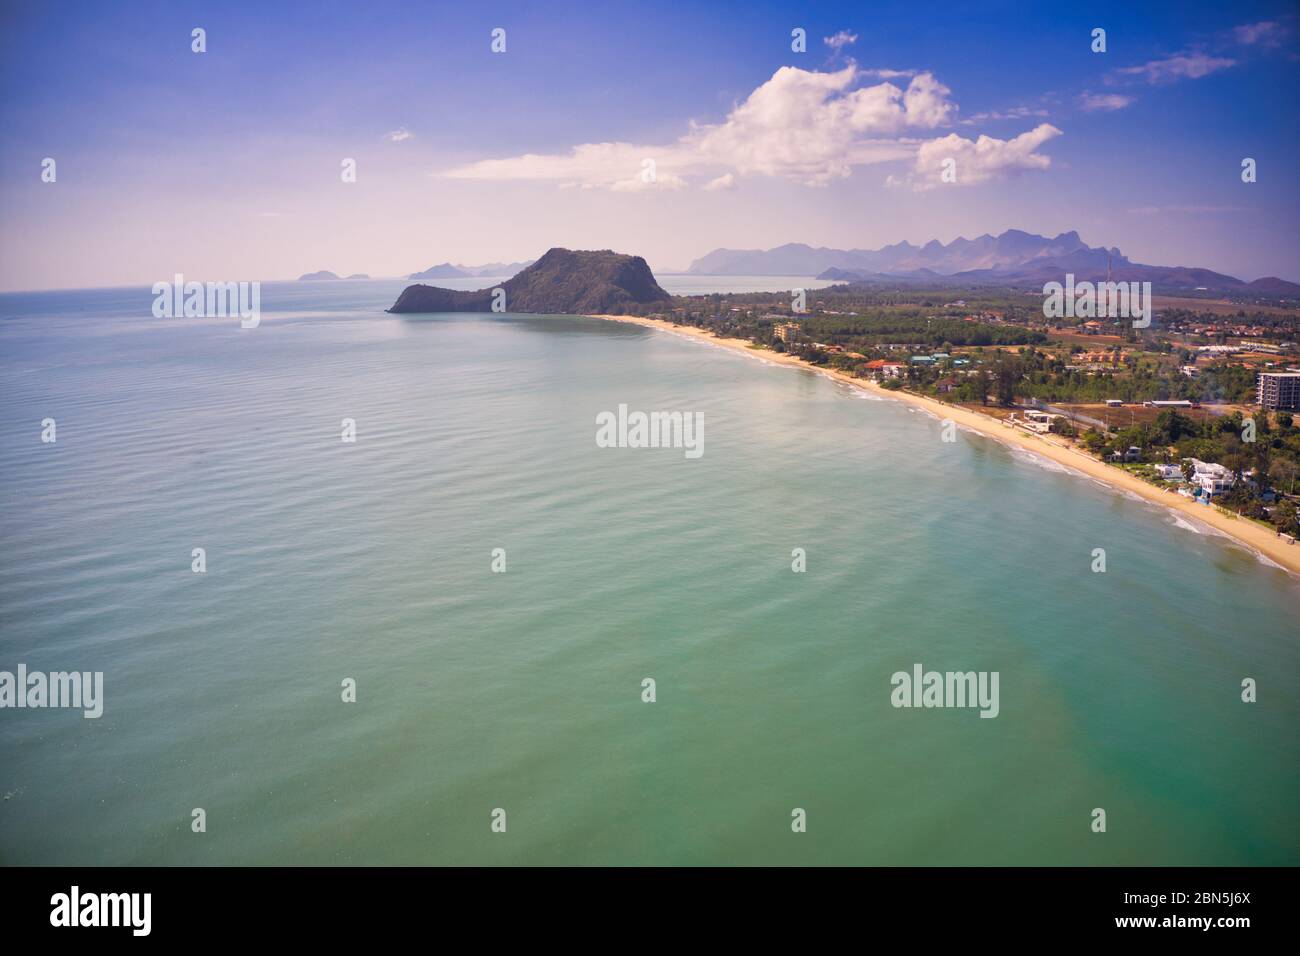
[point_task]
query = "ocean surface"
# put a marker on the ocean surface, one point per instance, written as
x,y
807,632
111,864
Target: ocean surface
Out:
x,y
522,690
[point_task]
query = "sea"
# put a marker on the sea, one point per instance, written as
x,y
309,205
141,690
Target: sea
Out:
x,y
475,636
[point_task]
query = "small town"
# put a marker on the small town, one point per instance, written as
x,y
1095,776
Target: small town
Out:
x,y
1202,403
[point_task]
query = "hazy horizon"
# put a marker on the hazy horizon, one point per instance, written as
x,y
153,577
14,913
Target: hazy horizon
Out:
x,y
226,164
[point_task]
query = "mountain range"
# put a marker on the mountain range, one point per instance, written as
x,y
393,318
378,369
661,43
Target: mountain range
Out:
x,y
448,271
326,274
562,281
1013,258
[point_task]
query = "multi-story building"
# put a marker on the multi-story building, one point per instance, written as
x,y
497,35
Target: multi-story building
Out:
x,y
1278,390
786,331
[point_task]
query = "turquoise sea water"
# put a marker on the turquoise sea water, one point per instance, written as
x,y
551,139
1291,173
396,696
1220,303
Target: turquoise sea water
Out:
x,y
522,690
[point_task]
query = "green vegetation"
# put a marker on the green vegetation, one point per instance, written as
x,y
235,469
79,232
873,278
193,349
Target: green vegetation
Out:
x,y
995,348
1266,470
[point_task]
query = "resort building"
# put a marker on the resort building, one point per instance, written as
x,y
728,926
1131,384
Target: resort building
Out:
x,y
787,331
879,369
1099,357
1278,390
1212,478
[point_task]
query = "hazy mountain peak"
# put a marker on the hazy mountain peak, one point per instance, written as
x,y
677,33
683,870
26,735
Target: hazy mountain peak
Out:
x,y
1014,257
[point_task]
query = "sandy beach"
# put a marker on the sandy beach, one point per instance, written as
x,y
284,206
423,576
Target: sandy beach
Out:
x,y
1242,530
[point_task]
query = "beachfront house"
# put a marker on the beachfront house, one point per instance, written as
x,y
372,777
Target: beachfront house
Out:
x,y
1040,422
1213,484
1170,472
1210,477
880,370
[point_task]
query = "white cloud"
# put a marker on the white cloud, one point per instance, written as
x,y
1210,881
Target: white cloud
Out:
x,y
1093,102
1160,210
725,181
638,183
800,124
980,160
840,40
1190,66
1015,113
398,135
1266,32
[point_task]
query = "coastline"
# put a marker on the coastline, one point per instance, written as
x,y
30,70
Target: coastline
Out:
x,y
1241,530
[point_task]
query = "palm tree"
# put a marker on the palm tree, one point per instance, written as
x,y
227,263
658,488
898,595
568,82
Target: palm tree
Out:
x,y
1285,471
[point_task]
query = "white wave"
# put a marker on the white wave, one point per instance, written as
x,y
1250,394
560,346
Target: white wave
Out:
x,y
1020,453
1264,559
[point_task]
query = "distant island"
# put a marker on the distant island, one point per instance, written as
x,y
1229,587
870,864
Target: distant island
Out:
x,y
448,271
1014,258
326,274
563,281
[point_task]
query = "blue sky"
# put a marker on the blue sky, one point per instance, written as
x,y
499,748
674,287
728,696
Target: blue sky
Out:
x,y
226,165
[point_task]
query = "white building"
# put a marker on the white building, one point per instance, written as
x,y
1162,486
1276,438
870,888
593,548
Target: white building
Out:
x,y
1040,422
1278,390
1211,478
787,331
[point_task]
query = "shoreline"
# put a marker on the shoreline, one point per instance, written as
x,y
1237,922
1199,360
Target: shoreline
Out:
x,y
1242,531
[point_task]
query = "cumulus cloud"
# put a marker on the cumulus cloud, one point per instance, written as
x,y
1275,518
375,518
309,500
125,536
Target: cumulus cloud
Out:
x,y
805,125
980,160
1188,66
398,135
887,74
840,40
1094,102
